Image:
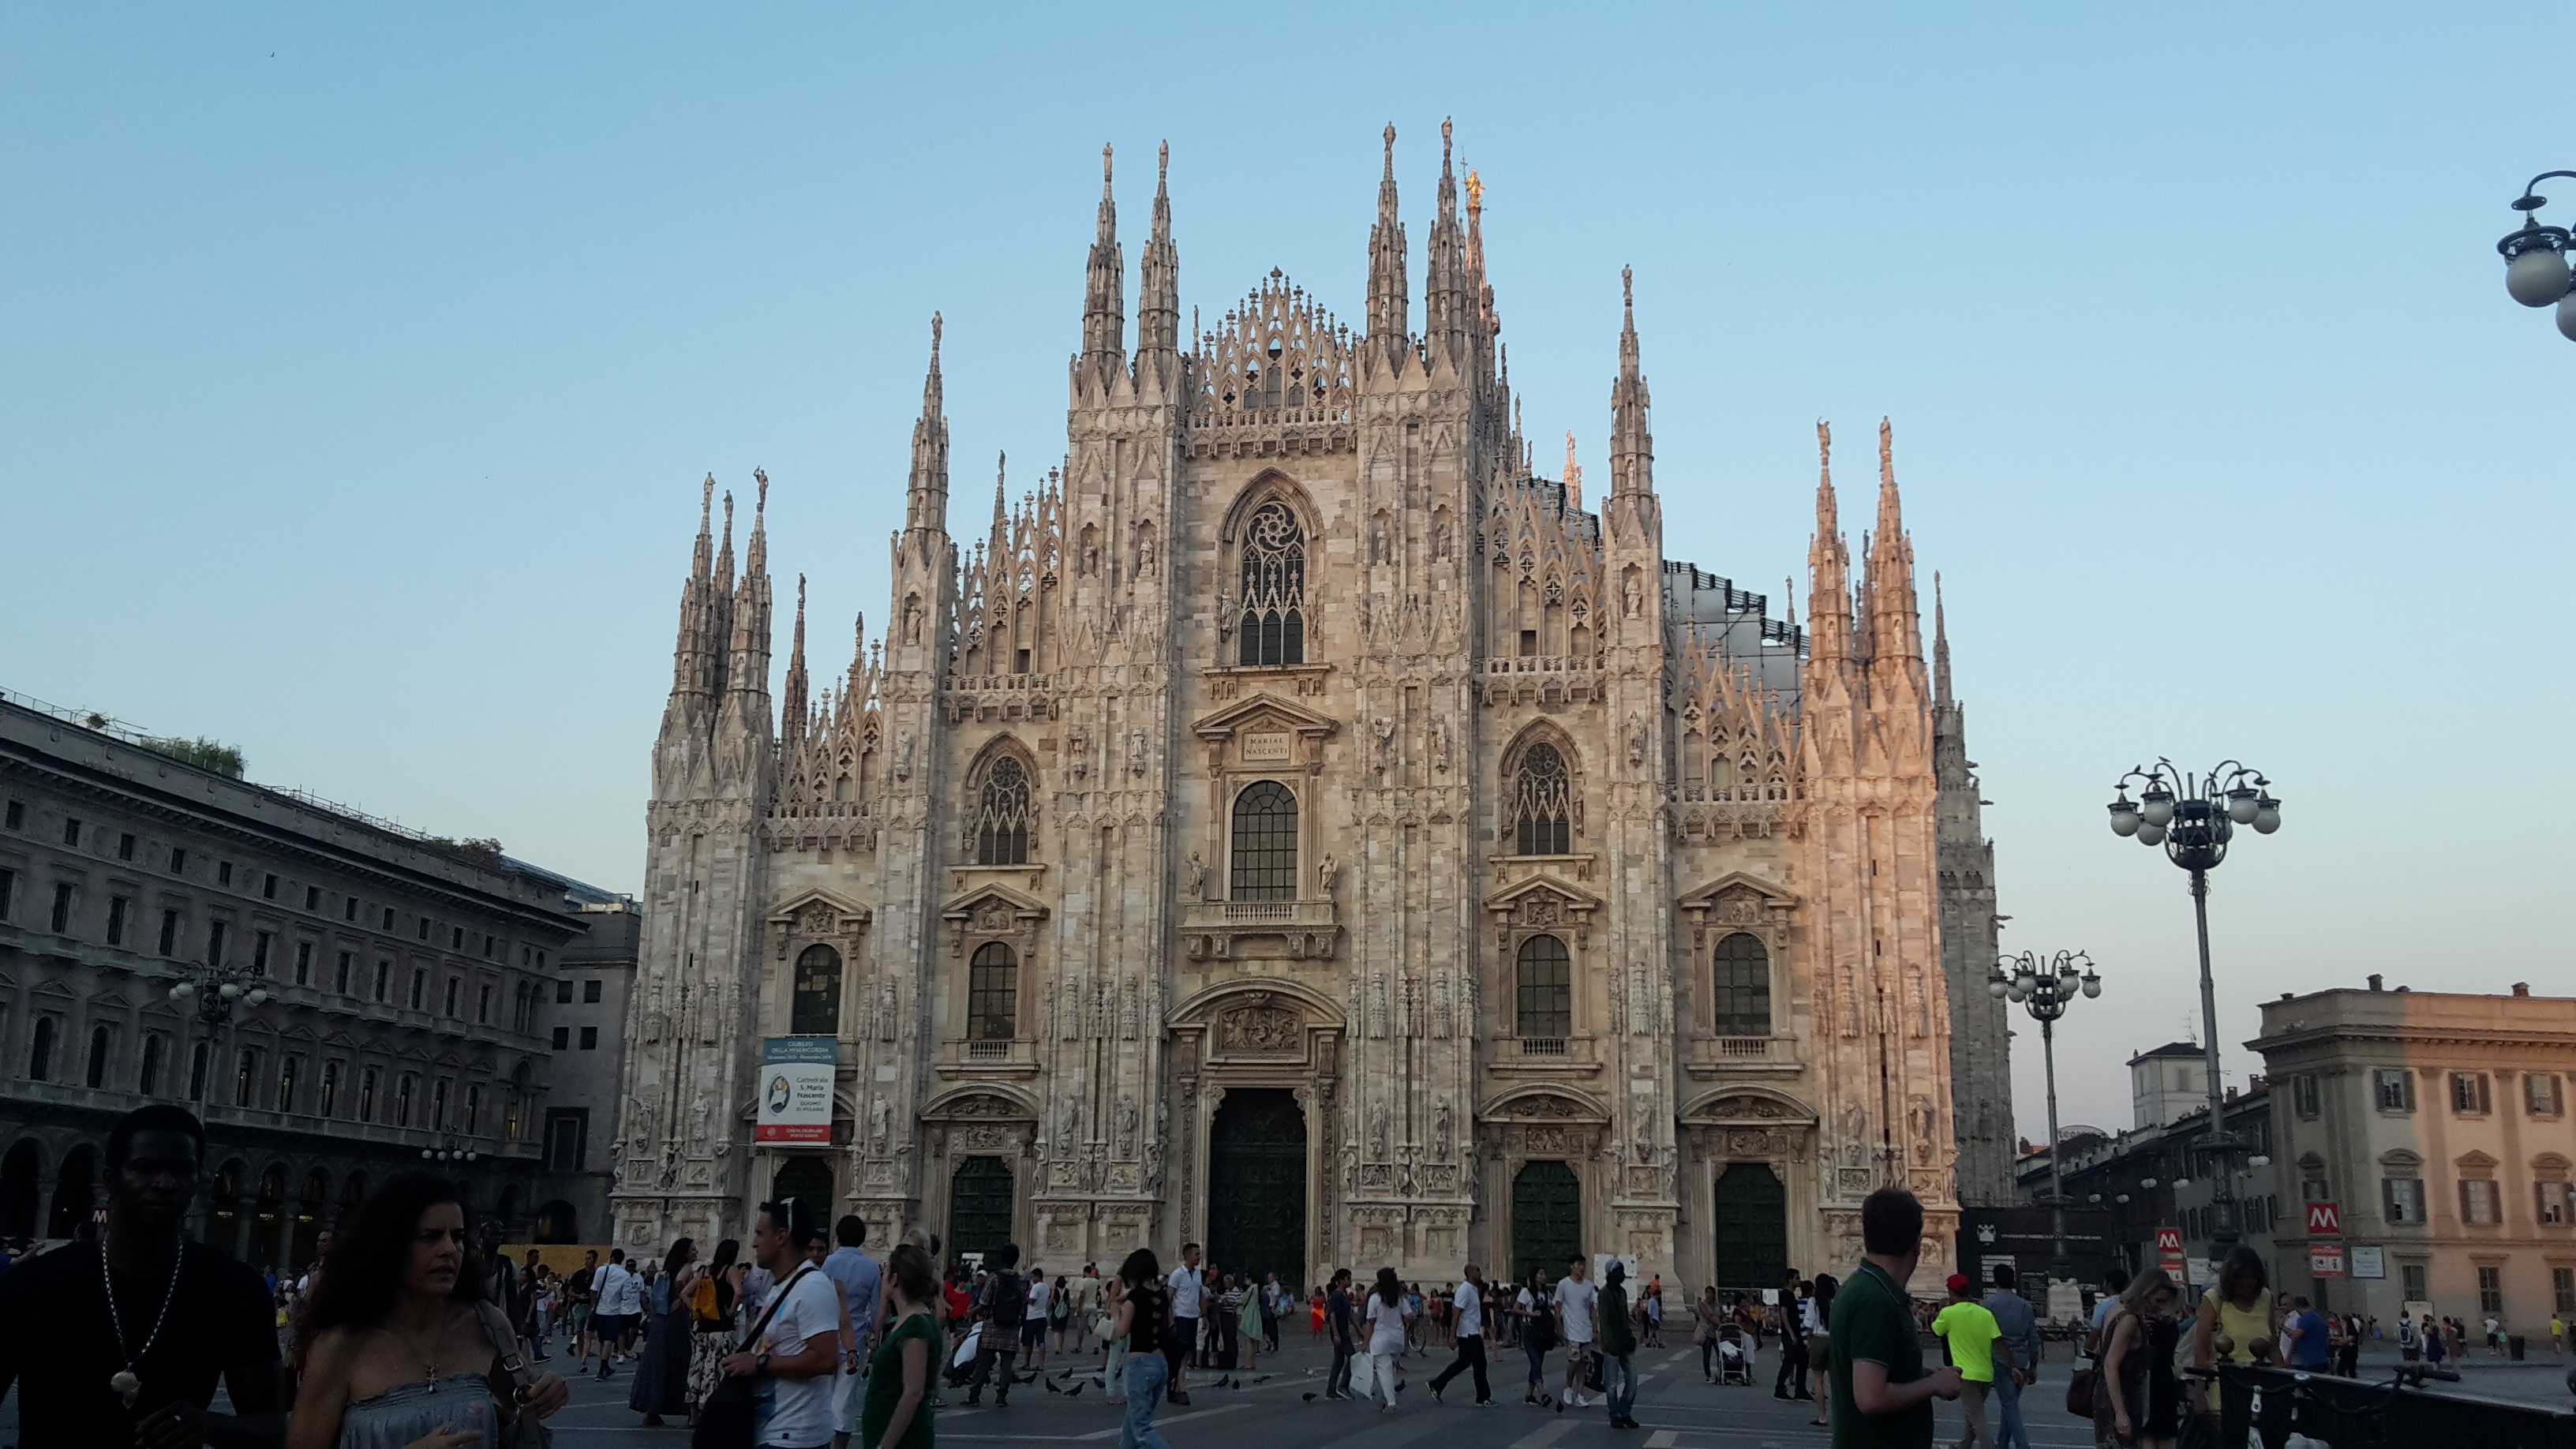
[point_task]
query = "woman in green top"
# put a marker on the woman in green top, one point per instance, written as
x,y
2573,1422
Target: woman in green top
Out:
x,y
895,1416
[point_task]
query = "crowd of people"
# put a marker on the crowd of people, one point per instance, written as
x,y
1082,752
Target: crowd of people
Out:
x,y
410,1333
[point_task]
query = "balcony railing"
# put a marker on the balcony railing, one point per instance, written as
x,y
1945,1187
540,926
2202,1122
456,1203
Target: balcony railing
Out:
x,y
1744,1048
1201,915
1542,1046
988,1051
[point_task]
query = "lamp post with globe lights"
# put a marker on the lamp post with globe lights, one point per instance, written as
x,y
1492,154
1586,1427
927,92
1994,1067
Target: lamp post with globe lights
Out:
x,y
2194,820
450,1148
2535,258
215,990
2045,989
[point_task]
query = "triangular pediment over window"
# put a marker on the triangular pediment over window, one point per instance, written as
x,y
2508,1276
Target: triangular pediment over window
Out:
x,y
823,909
1534,895
1735,891
994,908
1264,711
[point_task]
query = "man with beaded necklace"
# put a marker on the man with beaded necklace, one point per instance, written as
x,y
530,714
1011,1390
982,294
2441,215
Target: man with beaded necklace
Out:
x,y
122,1342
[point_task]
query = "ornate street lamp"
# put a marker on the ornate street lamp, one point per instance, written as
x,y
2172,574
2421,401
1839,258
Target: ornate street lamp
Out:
x,y
2045,989
2193,821
450,1148
2535,259
215,990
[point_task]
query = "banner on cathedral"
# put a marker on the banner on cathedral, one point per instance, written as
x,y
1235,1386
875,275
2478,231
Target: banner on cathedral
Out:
x,y
796,1088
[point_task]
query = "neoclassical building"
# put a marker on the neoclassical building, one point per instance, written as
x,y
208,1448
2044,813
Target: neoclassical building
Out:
x,y
1298,826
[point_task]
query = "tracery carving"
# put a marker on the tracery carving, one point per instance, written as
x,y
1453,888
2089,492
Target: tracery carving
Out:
x,y
998,830
1271,623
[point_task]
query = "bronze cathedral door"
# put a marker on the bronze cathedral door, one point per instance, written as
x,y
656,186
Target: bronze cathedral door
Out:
x,y
1257,1186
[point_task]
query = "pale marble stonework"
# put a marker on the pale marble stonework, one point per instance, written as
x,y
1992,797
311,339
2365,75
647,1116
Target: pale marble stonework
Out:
x,y
1458,613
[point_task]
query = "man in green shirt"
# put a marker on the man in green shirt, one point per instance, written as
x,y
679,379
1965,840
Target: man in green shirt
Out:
x,y
1975,1339
1882,1394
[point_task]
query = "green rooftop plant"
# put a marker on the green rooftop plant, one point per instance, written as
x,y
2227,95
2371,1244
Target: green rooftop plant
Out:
x,y
203,753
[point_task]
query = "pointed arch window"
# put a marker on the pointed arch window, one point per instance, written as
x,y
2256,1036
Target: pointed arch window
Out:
x,y
817,1007
992,993
1545,982
1542,800
1265,844
1743,987
1273,627
1002,814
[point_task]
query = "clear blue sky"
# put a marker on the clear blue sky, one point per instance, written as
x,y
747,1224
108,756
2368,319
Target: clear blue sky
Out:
x,y
358,366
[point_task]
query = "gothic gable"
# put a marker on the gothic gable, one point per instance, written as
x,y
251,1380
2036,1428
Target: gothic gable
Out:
x,y
1736,901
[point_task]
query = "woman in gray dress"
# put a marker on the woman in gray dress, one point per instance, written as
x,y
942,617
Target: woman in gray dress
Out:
x,y
404,1352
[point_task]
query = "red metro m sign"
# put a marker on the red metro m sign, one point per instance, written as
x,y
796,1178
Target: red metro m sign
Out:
x,y
2325,1220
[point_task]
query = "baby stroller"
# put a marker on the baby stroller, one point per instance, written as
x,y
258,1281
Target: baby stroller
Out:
x,y
1734,1359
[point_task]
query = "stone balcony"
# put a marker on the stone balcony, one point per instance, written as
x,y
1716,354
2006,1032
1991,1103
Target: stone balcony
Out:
x,y
1007,1057
1544,1056
1209,929
1708,1058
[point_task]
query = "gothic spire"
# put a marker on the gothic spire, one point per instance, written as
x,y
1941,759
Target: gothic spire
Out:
x,y
1448,305
1158,307
1632,442
1001,506
1940,648
747,675
1104,304
926,495
1896,620
692,665
1828,564
1389,303
791,723
1488,323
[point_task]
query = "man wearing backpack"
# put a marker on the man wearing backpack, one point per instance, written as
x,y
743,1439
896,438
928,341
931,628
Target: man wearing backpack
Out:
x,y
1004,1305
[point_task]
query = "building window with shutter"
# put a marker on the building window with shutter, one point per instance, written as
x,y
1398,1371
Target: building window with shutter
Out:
x,y
2402,1199
1263,865
2544,1095
1544,990
1743,986
2303,1092
2469,1094
2393,1089
992,993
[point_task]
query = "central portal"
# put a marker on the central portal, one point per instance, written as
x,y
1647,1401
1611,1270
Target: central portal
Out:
x,y
1257,1186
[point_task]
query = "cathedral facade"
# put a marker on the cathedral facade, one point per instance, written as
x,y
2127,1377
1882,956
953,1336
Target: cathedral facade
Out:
x,y
1299,827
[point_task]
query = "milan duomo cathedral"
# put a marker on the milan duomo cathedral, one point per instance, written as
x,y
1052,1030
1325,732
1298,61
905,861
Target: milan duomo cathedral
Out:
x,y
1299,827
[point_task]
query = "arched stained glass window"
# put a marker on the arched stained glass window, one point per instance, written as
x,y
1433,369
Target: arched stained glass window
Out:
x,y
1542,800
1265,844
1273,627
1743,987
992,993
817,1006
1002,814
1546,986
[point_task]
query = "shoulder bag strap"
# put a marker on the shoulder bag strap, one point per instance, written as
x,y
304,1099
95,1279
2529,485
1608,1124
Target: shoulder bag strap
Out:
x,y
505,1343
777,1301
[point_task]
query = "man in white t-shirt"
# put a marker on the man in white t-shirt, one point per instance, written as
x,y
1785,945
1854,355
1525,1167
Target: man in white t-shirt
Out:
x,y
1184,1339
1468,1309
1574,1299
610,1286
797,1355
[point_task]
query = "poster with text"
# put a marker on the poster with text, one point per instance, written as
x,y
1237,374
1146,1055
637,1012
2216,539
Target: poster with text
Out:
x,y
796,1089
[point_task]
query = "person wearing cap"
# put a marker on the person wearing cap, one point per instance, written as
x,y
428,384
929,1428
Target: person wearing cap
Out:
x,y
1976,1344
